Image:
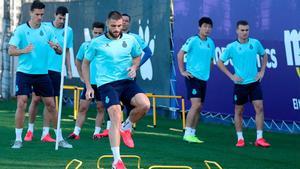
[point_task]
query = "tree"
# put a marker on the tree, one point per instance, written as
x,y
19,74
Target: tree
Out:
x,y
6,73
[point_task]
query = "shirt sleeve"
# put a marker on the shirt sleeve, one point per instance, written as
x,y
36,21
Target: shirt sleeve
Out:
x,y
136,50
260,48
226,54
80,53
90,52
186,47
70,38
15,40
141,41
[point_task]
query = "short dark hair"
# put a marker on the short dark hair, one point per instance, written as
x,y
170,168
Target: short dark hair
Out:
x,y
206,20
37,5
62,10
125,14
114,15
241,22
98,25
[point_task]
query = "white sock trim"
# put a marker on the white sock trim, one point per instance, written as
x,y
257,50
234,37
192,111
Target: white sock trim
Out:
x,y
30,127
127,124
116,154
19,134
240,135
259,134
45,131
77,130
97,130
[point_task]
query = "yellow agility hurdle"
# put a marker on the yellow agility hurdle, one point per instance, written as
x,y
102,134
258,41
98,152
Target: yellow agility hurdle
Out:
x,y
73,161
76,91
170,166
123,156
207,163
154,97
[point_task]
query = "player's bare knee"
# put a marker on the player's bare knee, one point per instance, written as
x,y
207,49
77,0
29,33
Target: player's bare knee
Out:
x,y
146,106
258,108
83,109
100,108
197,106
22,103
239,111
35,100
50,105
114,113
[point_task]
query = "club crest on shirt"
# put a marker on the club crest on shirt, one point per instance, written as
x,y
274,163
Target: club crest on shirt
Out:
x,y
86,47
63,34
41,33
124,44
240,48
208,46
251,47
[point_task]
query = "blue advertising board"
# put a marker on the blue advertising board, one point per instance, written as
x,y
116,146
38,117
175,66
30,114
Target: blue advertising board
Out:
x,y
275,23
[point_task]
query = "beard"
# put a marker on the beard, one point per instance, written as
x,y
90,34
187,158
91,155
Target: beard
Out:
x,y
113,34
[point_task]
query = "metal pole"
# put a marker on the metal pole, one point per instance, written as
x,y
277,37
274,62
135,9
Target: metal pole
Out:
x,y
62,78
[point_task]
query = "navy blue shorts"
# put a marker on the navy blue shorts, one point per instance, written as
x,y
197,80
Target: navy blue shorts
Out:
x,y
97,95
195,88
247,92
55,79
122,90
39,83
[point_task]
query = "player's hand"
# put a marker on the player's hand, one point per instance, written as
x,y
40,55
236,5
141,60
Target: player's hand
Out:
x,y
89,93
52,44
186,74
236,79
28,49
132,71
260,76
56,47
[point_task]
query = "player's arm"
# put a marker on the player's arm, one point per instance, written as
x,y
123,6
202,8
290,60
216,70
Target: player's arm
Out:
x,y
147,54
211,64
86,77
86,72
226,55
68,55
14,51
264,61
78,61
183,72
224,69
68,64
78,64
212,55
135,65
88,57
